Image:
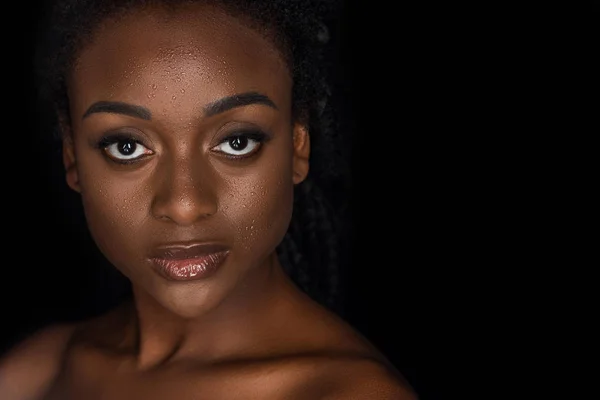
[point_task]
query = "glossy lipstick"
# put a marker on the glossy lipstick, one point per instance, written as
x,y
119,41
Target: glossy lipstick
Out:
x,y
188,262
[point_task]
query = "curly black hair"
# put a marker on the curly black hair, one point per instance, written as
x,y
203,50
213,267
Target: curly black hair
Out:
x,y
312,250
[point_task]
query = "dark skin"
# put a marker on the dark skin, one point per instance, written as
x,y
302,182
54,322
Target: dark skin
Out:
x,y
245,332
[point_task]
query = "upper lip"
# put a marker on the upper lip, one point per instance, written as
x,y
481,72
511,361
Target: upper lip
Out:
x,y
184,251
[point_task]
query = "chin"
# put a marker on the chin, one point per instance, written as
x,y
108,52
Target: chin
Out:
x,y
187,299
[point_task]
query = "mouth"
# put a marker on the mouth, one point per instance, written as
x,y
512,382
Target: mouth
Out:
x,y
185,262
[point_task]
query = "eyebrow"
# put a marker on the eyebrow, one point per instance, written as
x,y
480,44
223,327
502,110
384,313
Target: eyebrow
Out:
x,y
219,106
116,107
237,100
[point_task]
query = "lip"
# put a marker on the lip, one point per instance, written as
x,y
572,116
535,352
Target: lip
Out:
x,y
186,262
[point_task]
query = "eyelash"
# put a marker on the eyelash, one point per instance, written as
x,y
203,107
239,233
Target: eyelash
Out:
x,y
111,139
254,135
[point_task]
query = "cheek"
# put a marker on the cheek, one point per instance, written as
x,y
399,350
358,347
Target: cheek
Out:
x,y
260,207
114,209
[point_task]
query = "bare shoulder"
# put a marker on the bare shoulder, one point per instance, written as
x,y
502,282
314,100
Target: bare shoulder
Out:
x,y
343,364
29,368
354,378
342,377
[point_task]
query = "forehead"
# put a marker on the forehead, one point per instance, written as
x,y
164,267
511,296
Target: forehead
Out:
x,y
195,48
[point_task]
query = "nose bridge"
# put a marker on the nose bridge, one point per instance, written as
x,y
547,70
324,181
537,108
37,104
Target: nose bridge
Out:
x,y
185,190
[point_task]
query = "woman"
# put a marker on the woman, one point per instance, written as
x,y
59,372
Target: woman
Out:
x,y
187,128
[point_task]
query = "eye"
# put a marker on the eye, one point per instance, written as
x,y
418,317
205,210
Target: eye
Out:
x,y
124,150
241,145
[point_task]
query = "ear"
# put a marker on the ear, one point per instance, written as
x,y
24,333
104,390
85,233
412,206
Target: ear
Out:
x,y
301,141
70,161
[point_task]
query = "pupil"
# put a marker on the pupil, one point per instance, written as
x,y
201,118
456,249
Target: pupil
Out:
x,y
238,143
127,148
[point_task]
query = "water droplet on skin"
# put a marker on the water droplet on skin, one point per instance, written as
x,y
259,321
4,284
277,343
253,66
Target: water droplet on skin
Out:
x,y
182,90
174,97
253,193
154,86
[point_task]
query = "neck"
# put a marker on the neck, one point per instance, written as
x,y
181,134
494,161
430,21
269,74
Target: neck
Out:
x,y
237,324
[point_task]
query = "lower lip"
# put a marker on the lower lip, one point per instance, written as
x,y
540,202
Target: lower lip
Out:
x,y
189,269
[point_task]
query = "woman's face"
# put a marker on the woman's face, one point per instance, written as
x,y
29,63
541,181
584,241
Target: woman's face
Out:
x,y
184,152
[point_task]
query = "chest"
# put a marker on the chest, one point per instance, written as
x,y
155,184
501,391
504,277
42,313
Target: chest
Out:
x,y
111,381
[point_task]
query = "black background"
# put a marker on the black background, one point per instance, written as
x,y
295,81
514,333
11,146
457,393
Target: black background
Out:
x,y
428,206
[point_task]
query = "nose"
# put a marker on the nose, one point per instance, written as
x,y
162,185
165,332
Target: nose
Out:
x,y
185,192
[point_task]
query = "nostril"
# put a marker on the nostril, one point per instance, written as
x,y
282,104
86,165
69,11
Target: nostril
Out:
x,y
184,206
